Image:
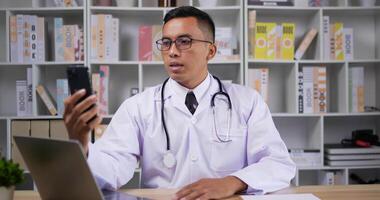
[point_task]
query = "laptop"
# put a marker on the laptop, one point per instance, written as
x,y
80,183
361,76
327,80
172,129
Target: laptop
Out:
x,y
60,170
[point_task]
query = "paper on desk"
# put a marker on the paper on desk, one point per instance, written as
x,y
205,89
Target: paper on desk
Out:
x,y
280,197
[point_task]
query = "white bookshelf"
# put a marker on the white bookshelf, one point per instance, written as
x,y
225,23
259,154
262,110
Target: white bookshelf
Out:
x,y
309,131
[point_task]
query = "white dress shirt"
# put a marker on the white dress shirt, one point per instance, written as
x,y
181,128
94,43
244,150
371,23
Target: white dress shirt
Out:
x,y
256,153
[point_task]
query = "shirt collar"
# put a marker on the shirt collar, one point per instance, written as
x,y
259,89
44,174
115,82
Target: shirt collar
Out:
x,y
199,91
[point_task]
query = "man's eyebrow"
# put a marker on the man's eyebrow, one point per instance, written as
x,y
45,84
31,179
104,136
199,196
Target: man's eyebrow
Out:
x,y
183,35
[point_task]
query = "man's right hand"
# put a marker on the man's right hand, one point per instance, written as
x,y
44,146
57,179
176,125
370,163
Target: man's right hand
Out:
x,y
77,117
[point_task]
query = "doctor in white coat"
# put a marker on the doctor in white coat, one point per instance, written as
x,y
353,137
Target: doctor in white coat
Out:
x,y
209,139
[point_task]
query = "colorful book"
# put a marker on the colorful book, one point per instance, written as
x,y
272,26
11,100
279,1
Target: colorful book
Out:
x,y
224,42
258,79
332,42
20,38
288,35
300,90
305,43
58,39
145,43
271,40
46,99
94,35
26,39
260,41
356,89
101,38
13,38
338,34
62,94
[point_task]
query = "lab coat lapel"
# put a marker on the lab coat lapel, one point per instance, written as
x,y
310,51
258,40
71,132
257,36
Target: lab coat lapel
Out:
x,y
172,99
206,100
179,104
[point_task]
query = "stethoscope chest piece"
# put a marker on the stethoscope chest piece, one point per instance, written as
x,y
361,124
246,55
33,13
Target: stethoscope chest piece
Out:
x,y
169,159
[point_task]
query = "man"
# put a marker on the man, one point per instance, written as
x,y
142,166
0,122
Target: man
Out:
x,y
174,133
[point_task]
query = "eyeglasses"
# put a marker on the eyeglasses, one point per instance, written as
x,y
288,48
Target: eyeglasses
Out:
x,y
182,43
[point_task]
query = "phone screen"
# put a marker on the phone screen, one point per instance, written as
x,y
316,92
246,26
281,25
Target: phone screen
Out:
x,y
78,79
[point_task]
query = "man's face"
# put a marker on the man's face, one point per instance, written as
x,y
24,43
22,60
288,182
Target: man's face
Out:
x,y
189,66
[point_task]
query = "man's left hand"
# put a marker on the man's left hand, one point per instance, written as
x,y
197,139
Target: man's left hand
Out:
x,y
211,188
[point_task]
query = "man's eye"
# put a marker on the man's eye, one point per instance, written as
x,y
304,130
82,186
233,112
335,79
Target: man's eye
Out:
x,y
184,41
166,43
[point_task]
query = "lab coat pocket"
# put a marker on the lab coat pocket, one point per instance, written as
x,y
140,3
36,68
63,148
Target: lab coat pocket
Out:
x,y
229,155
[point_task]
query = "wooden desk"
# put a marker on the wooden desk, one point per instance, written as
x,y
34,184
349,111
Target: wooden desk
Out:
x,y
339,192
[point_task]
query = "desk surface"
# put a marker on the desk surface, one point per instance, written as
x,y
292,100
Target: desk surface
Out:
x,y
339,192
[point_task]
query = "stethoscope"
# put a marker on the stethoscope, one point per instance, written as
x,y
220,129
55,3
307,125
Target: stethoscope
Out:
x,y
169,158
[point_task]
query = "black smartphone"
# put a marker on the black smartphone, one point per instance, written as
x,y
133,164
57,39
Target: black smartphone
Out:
x,y
78,79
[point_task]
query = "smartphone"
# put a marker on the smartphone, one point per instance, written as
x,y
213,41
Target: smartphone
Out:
x,y
78,79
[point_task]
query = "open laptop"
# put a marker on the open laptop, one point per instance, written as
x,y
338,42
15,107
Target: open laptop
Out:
x,y
60,170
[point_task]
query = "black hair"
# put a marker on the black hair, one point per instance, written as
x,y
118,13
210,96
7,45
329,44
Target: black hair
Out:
x,y
202,17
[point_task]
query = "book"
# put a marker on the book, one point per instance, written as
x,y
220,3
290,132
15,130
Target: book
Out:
x,y
20,38
21,97
258,79
156,35
29,88
305,43
300,90
356,89
58,39
224,42
338,39
326,37
340,149
62,94
101,38
69,42
46,99
348,42
260,40
306,157
251,31
26,39
41,44
145,43
13,38
108,38
278,42
103,89
33,38
321,96
95,81
115,44
287,41
94,35
326,177
308,95
270,3
271,41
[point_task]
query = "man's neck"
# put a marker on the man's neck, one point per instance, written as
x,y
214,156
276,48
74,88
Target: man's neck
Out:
x,y
193,84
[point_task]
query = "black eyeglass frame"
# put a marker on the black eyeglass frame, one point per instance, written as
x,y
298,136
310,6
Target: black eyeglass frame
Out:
x,y
176,44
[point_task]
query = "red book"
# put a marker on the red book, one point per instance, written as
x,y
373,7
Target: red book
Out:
x,y
145,43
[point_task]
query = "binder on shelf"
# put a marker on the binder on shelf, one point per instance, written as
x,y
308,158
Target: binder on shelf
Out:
x,y
46,99
39,128
58,130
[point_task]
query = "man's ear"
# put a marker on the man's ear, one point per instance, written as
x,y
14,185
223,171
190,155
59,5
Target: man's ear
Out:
x,y
211,52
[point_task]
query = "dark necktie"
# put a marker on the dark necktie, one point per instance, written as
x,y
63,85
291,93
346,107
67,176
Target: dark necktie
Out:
x,y
191,102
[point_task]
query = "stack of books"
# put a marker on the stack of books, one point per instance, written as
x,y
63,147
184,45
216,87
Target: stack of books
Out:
x,y
339,155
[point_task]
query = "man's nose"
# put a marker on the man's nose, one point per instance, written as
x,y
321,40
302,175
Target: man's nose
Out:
x,y
173,51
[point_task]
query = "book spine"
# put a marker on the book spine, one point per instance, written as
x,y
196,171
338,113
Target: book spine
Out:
x,y
260,41
101,39
46,99
305,43
20,38
288,34
322,90
115,46
156,35
339,51
33,38
278,42
108,37
308,90
315,90
95,81
103,91
326,37
41,54
81,44
29,82
76,43
348,43
21,95
271,41
62,94
13,38
94,34
224,42
27,29
68,45
264,83
332,42
58,39
145,41
300,91
251,30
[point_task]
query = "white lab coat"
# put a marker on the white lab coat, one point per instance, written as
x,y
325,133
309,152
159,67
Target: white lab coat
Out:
x,y
257,155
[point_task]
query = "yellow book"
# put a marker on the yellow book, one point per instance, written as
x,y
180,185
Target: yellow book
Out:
x,y
271,40
338,37
260,41
287,41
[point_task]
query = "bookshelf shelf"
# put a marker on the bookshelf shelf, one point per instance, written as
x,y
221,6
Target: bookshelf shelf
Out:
x,y
299,130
